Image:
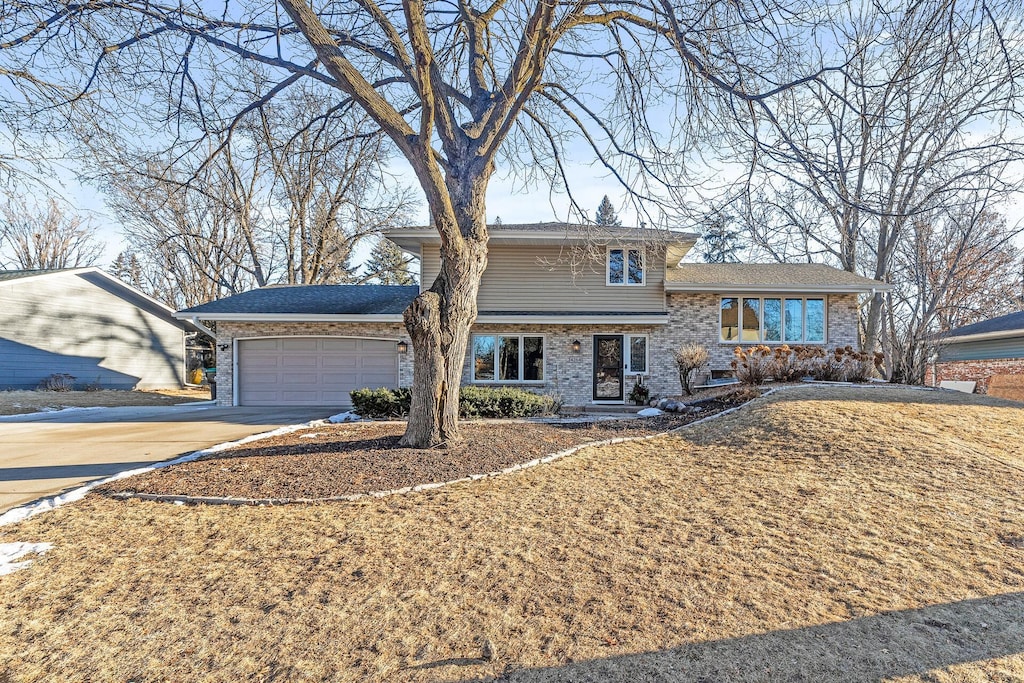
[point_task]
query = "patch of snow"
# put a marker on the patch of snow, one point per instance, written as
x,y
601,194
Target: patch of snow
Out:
x,y
308,436
347,416
22,513
47,411
649,412
10,553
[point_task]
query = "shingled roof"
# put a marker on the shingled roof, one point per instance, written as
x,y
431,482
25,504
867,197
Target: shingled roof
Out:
x,y
778,277
309,300
6,275
1004,326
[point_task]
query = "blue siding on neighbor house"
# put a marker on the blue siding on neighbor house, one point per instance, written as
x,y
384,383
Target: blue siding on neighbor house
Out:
x,y
84,325
983,349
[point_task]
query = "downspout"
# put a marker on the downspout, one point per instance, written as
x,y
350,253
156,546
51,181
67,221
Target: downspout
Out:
x,y
203,328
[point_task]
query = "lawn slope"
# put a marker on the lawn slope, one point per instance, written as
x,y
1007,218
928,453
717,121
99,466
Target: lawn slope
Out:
x,y
817,534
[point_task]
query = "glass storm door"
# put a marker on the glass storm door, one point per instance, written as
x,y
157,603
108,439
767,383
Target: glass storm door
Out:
x,y
608,367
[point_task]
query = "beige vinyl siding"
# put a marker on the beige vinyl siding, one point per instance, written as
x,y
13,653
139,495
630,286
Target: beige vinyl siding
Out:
x,y
82,324
532,278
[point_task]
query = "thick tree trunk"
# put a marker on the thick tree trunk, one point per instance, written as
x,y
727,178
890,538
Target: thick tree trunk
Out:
x,y
439,319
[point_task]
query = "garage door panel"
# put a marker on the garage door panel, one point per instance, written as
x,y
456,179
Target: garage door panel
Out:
x,y
348,362
262,344
312,370
341,344
299,344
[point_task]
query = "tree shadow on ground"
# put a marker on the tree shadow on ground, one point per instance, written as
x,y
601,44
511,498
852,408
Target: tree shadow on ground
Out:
x,y
873,648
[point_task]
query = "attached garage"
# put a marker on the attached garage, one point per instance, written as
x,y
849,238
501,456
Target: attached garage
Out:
x,y
312,371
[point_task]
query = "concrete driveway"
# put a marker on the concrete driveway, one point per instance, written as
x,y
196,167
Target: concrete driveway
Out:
x,y
43,454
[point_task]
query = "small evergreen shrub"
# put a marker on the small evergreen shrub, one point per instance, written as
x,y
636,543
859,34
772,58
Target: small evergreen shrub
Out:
x,y
382,402
503,402
473,402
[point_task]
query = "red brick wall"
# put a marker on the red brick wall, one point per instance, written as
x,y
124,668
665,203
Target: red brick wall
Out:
x,y
979,371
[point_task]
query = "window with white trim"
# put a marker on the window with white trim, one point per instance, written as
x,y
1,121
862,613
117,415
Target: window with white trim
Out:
x,y
635,360
625,266
748,320
508,358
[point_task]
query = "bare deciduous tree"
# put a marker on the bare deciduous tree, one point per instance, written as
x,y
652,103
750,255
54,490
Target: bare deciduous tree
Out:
x,y
46,238
458,88
922,121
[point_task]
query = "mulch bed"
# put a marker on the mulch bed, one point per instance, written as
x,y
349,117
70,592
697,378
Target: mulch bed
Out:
x,y
354,458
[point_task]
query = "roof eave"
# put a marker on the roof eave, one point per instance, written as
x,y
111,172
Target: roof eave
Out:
x,y
293,317
512,319
980,336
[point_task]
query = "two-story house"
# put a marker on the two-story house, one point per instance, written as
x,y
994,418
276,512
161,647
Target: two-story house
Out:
x,y
581,312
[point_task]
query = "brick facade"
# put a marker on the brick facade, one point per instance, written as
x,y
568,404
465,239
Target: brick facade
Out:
x,y
568,374
980,371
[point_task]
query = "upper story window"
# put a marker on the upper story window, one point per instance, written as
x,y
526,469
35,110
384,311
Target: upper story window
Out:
x,y
625,266
771,319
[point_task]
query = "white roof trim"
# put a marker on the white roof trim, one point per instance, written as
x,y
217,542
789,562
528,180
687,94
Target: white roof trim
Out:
x,y
781,289
296,317
998,334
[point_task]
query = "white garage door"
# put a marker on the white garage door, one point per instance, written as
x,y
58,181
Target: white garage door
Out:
x,y
312,371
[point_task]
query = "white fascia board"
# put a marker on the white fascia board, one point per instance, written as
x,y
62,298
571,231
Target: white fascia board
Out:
x,y
981,336
572,320
428,237
781,289
293,317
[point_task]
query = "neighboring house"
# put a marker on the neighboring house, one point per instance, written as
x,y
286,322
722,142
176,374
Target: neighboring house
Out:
x,y
556,314
88,324
979,352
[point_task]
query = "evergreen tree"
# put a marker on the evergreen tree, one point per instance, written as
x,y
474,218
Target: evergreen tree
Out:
x,y
388,265
127,268
720,243
606,215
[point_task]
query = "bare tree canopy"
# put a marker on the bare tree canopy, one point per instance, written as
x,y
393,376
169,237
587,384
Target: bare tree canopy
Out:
x,y
922,126
458,88
46,238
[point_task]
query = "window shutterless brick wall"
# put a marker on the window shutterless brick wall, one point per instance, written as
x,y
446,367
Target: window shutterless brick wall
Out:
x,y
980,371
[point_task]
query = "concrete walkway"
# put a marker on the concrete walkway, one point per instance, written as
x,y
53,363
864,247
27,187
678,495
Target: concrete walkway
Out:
x,y
44,454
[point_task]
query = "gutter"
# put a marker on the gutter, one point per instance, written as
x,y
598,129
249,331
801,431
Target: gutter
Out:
x,y
201,327
780,289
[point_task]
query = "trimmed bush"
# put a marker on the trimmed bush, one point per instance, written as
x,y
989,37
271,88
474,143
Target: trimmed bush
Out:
x,y
382,402
473,402
503,402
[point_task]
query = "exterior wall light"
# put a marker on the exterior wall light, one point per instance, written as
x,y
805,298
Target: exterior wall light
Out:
x,y
403,346
576,345
223,347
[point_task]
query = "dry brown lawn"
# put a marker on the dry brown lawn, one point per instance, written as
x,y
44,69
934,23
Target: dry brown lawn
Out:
x,y
21,402
818,534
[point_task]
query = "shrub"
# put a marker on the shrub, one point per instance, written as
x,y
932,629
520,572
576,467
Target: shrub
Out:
x,y
503,402
94,386
752,366
473,402
58,381
381,403
689,358
785,366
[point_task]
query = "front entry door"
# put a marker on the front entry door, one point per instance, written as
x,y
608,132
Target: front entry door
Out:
x,y
608,367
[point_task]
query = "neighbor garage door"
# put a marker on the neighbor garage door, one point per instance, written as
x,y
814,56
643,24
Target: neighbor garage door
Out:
x,y
312,371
